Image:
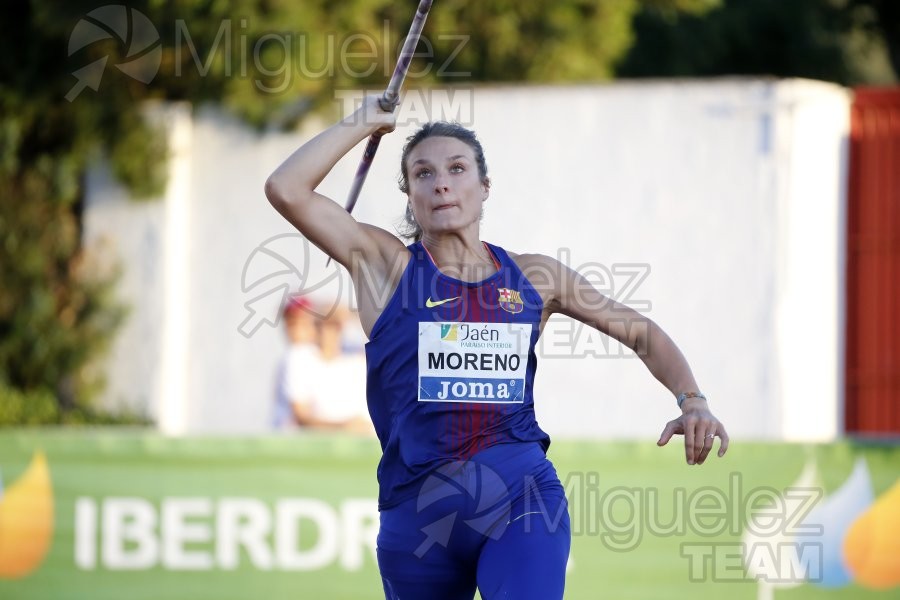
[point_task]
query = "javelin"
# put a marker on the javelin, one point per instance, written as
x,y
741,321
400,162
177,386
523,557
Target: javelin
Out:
x,y
390,99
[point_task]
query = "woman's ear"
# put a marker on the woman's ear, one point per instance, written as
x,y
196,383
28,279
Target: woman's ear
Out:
x,y
486,187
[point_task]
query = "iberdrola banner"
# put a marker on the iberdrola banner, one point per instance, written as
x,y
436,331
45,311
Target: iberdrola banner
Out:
x,y
100,514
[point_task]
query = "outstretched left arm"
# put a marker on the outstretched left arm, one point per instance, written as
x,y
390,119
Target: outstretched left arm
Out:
x,y
566,291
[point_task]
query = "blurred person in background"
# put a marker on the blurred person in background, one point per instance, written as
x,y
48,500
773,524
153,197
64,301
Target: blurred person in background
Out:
x,y
318,387
339,389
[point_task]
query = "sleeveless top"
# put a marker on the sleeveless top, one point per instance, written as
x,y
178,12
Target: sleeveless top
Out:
x,y
450,370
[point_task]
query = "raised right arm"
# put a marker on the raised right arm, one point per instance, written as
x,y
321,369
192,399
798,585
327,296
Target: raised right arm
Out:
x,y
292,191
374,257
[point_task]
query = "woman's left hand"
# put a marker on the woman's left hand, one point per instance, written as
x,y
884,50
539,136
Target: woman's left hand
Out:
x,y
699,427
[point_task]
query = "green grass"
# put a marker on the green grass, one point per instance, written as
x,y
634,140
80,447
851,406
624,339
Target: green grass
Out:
x,y
648,564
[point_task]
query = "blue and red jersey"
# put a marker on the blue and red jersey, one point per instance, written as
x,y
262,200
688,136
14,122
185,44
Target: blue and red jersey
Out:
x,y
451,368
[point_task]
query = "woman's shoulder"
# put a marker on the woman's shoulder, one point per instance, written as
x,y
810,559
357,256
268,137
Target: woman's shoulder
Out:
x,y
539,269
531,260
393,254
387,241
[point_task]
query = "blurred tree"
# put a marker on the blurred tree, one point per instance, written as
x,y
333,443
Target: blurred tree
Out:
x,y
269,61
54,313
880,19
542,40
845,41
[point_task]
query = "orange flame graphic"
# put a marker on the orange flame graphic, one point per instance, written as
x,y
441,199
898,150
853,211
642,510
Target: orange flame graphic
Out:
x,y
26,520
872,545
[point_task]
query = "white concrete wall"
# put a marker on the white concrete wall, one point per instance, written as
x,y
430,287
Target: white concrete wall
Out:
x,y
811,269
727,194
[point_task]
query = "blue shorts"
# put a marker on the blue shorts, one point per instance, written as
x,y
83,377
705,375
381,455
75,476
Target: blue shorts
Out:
x,y
498,522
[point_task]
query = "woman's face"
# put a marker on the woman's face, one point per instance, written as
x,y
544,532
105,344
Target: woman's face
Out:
x,y
445,188
301,327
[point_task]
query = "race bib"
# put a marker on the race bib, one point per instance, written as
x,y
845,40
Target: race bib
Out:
x,y
473,362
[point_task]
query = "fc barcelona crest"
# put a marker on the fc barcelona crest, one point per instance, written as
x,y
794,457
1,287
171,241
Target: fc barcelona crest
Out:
x,y
510,300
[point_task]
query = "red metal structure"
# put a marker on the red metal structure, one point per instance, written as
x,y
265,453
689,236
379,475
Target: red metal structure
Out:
x,y
872,404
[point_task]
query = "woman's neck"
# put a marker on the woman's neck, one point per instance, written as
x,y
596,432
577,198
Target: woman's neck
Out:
x,y
461,258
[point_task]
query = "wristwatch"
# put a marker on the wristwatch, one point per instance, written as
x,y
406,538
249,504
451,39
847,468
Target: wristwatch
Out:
x,y
685,395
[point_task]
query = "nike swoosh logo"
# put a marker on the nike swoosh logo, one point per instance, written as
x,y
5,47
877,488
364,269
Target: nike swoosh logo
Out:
x,y
432,303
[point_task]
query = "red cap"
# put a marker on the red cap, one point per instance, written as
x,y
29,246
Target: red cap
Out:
x,y
297,304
